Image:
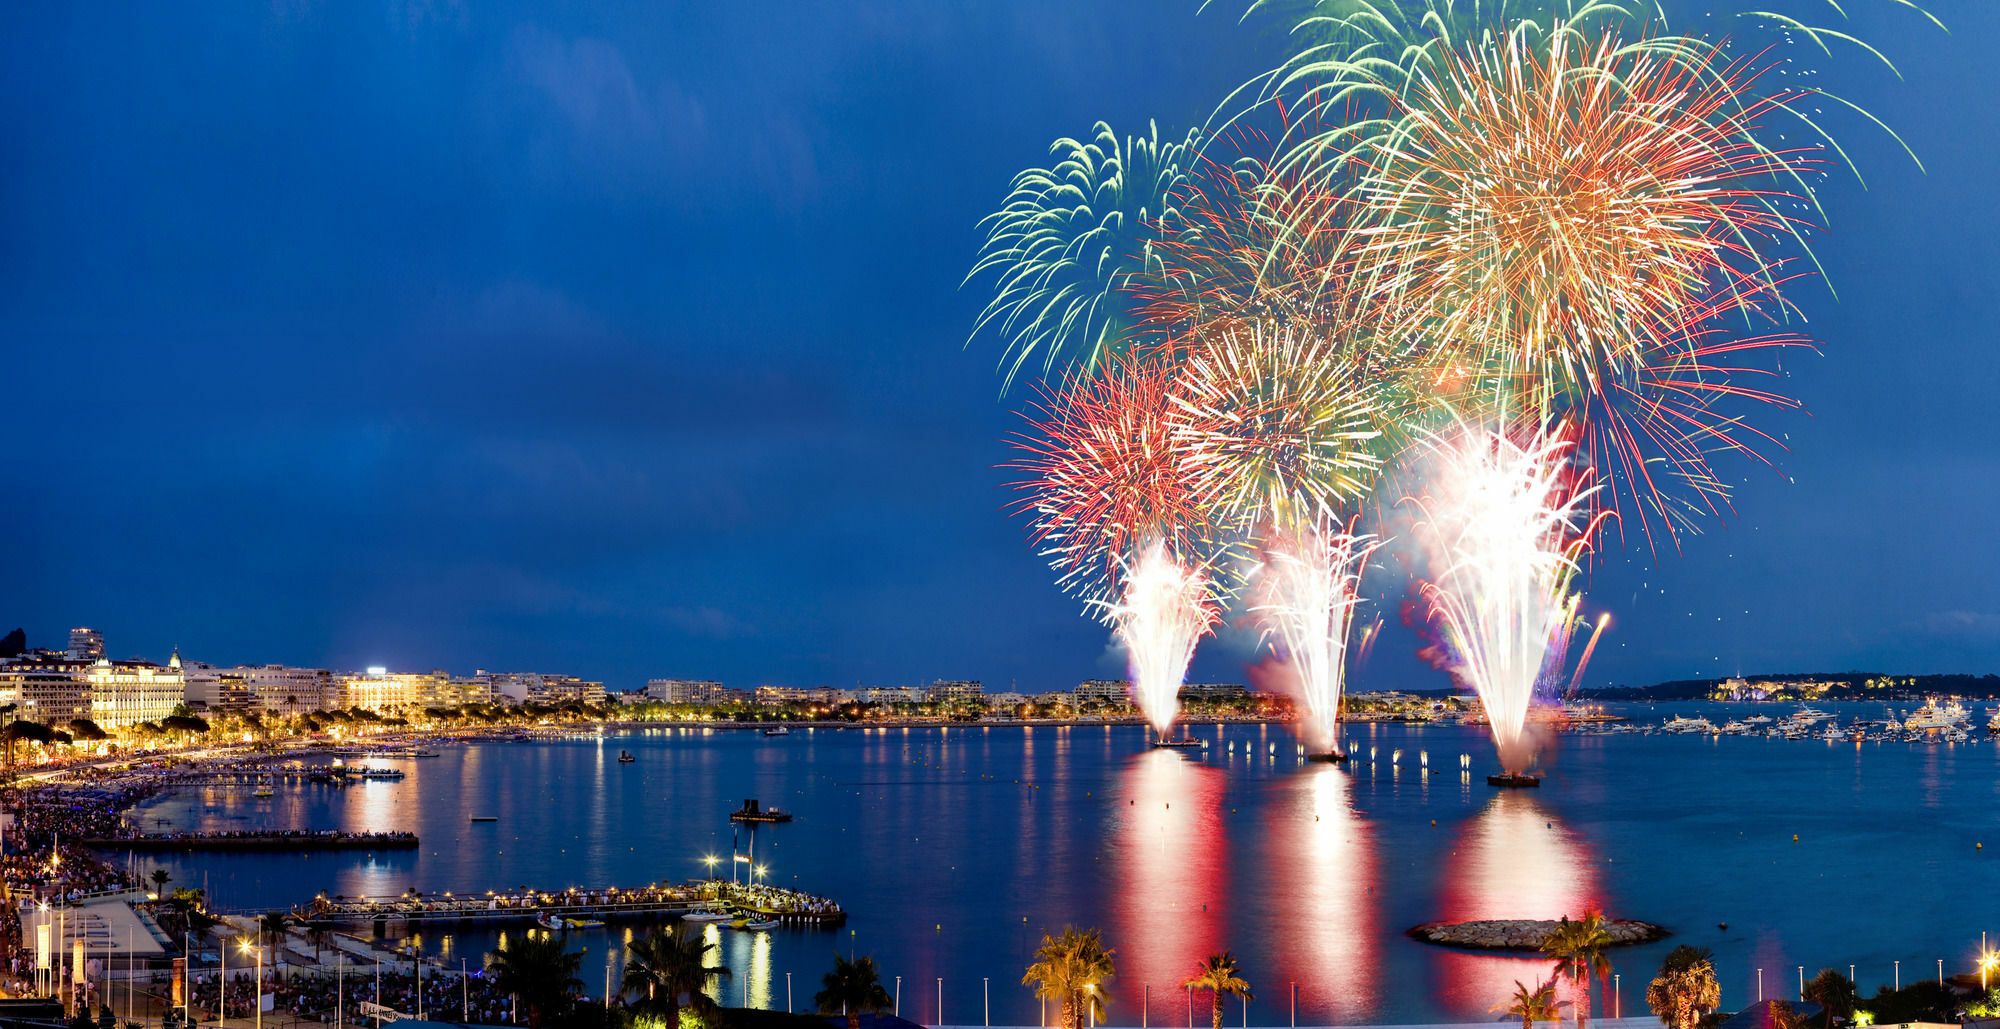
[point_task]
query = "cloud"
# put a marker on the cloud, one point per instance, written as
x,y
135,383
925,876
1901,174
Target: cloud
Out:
x,y
1968,626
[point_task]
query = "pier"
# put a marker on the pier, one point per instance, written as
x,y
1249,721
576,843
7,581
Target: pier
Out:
x,y
659,900
327,840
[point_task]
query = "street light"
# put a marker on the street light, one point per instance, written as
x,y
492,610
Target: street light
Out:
x,y
710,862
1987,959
257,984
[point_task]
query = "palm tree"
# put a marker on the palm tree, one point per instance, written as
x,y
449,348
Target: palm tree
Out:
x,y
539,973
319,934
271,926
1578,951
1533,1004
1685,989
1219,974
1069,969
851,988
1834,993
160,877
667,965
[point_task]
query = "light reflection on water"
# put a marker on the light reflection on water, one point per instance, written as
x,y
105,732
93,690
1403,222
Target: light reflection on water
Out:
x,y
954,851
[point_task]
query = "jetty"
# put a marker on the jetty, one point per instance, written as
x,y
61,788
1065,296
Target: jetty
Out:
x,y
280,840
606,903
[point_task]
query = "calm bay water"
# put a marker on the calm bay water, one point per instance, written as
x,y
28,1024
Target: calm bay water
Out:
x,y
952,851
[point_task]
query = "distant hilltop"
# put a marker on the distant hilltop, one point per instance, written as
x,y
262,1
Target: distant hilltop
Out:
x,y
1808,687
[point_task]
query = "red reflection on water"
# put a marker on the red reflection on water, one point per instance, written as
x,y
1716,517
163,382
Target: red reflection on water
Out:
x,y
1322,855
1171,857
1513,860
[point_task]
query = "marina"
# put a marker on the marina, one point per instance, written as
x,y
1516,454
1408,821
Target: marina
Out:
x,y
574,908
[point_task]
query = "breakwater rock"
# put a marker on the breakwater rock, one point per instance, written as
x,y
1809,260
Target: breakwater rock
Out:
x,y
1524,933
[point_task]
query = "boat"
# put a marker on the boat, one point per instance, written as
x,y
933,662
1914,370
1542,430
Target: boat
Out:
x,y
1680,723
625,757
1807,715
425,753
549,922
706,915
769,923
1181,743
382,773
1932,717
779,731
485,818
263,791
582,923
1757,720
752,812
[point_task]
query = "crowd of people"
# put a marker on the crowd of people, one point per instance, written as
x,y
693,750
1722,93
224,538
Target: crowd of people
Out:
x,y
327,998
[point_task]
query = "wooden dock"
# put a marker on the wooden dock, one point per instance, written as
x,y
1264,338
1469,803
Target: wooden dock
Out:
x,y
610,903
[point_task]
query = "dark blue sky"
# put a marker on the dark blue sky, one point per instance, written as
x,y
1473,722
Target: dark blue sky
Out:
x,y
627,343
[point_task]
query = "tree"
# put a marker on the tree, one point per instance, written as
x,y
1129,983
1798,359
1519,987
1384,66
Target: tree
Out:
x,y
160,877
271,927
1578,951
851,988
665,966
539,973
1784,1016
14,644
1069,969
319,934
1533,1004
85,729
21,730
1219,974
1685,989
1834,993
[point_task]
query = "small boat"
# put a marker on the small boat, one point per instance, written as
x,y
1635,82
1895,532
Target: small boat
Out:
x,y
625,757
425,753
1182,743
582,923
485,818
705,915
382,773
263,791
779,731
549,922
769,923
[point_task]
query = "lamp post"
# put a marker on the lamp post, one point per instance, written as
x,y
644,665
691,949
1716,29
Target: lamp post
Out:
x,y
257,984
1899,976
1617,995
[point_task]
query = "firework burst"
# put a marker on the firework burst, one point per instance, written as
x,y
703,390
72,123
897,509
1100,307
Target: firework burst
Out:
x,y
1069,238
1276,425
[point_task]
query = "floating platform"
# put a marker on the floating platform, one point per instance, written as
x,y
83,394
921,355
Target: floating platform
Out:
x,y
1183,743
752,812
1514,780
1328,758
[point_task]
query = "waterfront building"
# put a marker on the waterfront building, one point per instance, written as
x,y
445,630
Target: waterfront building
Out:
x,y
211,691
48,688
1103,691
85,644
629,698
539,688
1057,698
688,691
1007,700
943,691
461,690
1213,691
380,691
775,695
889,695
282,690
124,693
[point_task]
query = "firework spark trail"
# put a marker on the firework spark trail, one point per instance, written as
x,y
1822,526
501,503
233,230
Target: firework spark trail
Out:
x,y
1306,594
1166,609
1501,523
1589,649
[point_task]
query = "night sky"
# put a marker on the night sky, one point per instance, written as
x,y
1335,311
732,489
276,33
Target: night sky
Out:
x,y
630,343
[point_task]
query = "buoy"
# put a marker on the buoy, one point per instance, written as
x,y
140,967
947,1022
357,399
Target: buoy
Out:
x,y
1795,837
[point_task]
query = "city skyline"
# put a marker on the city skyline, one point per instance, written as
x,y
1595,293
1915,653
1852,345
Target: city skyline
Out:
x,y
499,355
